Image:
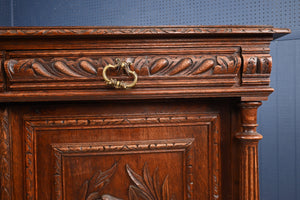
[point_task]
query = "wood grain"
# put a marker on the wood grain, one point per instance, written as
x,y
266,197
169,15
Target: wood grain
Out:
x,y
249,183
178,134
5,156
175,30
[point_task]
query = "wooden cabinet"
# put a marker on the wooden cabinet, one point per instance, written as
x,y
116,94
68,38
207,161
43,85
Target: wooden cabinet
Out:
x,y
186,130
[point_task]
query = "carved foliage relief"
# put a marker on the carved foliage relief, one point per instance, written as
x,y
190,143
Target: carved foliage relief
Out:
x,y
143,186
85,67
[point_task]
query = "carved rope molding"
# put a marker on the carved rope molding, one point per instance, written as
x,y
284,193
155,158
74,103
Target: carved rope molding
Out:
x,y
5,157
139,30
85,67
125,147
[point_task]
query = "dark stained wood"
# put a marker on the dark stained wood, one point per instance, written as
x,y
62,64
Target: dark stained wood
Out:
x,y
142,30
249,183
187,130
5,153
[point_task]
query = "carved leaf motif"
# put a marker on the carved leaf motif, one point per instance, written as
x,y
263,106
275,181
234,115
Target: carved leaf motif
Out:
x,y
63,68
139,182
222,65
94,196
83,190
91,189
40,70
85,67
132,193
88,67
146,187
109,197
181,66
148,179
156,184
159,64
165,189
204,66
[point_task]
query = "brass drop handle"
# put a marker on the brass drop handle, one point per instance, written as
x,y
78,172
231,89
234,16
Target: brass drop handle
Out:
x,y
120,84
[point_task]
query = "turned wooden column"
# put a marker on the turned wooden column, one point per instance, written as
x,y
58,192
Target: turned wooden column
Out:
x,y
248,166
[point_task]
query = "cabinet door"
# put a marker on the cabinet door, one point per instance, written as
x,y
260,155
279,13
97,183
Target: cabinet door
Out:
x,y
167,150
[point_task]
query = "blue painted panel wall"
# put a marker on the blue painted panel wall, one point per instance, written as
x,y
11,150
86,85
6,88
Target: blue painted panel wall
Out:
x,y
279,118
279,122
5,12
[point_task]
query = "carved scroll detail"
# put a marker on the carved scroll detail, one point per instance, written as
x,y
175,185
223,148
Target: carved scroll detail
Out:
x,y
61,68
147,187
5,157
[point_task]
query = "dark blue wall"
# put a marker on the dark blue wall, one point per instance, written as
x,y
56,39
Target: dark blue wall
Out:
x,y
279,118
5,13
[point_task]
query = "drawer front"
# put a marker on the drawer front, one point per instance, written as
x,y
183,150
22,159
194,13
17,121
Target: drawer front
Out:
x,y
82,69
161,150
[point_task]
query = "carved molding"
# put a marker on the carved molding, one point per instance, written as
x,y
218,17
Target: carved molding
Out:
x,y
85,67
57,175
124,121
29,162
126,147
175,30
257,64
32,124
5,157
256,70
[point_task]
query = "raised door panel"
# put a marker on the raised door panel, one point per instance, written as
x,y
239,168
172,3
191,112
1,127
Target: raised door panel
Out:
x,y
157,154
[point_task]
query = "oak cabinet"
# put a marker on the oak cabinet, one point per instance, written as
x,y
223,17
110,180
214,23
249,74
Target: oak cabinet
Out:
x,y
153,113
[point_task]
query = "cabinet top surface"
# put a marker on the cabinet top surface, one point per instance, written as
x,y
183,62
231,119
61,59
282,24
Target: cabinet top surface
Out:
x,y
142,30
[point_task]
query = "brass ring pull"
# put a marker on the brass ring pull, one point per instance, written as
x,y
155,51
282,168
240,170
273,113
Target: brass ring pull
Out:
x,y
114,82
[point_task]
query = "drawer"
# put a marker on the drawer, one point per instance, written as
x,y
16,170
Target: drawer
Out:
x,y
155,68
